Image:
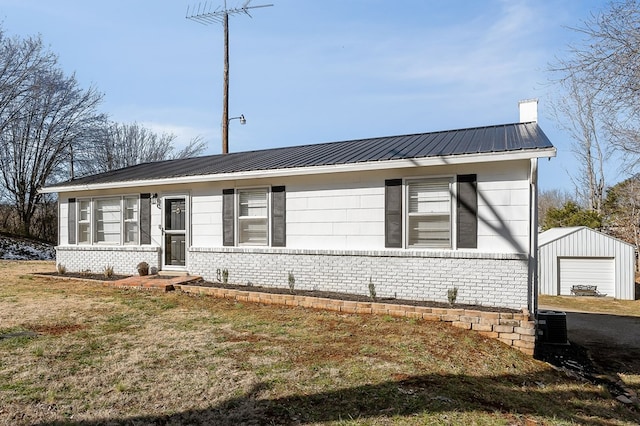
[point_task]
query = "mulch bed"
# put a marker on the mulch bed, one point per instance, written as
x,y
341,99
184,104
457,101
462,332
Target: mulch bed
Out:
x,y
352,297
84,276
310,293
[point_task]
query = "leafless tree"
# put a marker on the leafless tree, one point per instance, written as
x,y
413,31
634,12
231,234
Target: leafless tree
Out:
x,y
576,113
622,210
551,199
118,145
43,113
605,65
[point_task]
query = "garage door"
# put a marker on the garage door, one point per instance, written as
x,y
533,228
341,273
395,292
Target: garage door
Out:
x,y
590,271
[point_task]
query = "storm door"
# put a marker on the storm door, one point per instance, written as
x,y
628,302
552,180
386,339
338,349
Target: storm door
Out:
x,y
175,231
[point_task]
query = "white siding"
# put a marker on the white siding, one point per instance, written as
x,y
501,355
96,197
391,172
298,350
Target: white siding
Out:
x,y
585,242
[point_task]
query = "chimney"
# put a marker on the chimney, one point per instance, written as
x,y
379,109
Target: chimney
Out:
x,y
528,110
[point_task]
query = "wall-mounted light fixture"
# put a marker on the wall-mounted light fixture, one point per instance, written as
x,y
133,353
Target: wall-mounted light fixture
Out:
x,y
156,200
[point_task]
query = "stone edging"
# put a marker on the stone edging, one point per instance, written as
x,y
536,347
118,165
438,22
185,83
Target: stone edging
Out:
x,y
514,329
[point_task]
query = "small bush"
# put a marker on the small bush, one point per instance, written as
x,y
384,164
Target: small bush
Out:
x,y
452,295
372,290
61,269
108,271
292,282
225,276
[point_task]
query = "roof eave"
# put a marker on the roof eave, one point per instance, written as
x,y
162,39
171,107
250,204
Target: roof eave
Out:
x,y
313,170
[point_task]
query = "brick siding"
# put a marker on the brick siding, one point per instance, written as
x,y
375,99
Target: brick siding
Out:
x,y
499,280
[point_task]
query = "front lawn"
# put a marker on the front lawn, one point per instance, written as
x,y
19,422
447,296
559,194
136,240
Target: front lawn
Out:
x,y
77,352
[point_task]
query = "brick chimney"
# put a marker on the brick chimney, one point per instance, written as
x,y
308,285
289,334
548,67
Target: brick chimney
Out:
x,y
528,110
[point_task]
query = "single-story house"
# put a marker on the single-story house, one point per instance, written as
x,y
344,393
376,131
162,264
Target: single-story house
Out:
x,y
579,256
413,215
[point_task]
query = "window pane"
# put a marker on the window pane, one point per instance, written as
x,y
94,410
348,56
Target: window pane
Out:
x,y
131,220
252,232
429,197
429,213
252,217
253,202
84,221
429,231
107,220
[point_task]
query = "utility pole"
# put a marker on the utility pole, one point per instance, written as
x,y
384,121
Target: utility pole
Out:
x,y
206,15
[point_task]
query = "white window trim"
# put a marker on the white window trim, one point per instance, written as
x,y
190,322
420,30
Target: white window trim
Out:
x,y
237,216
452,212
93,217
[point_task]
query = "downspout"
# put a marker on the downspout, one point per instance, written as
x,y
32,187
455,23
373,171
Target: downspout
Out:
x,y
533,238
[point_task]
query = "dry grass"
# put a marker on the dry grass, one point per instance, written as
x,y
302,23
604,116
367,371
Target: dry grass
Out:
x,y
104,356
601,305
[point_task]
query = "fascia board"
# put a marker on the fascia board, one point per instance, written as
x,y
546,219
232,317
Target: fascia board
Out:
x,y
315,170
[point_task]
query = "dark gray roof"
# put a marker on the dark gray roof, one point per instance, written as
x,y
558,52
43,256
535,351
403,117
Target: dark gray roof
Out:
x,y
479,140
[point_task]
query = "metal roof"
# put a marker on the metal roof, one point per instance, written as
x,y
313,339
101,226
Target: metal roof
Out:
x,y
479,140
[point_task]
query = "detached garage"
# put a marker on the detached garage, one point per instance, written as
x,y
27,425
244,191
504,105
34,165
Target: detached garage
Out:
x,y
582,256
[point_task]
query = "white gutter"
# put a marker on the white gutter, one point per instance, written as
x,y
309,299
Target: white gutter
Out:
x,y
313,170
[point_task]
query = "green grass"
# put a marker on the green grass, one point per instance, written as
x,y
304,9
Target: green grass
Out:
x,y
103,355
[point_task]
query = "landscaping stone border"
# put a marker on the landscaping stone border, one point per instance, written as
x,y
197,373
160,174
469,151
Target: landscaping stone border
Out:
x,y
517,330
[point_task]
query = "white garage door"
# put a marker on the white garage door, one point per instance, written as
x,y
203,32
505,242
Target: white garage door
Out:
x,y
587,271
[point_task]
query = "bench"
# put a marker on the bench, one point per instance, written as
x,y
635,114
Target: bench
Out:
x,y
586,290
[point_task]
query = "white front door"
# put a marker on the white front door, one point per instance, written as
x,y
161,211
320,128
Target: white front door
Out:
x,y
175,232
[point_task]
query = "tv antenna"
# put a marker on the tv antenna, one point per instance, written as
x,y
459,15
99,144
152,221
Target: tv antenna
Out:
x,y
206,14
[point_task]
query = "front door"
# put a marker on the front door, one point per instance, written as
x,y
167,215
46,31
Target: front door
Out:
x,y
175,232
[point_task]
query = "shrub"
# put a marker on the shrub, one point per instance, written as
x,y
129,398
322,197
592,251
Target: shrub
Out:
x,y
108,271
143,268
452,295
372,289
61,269
292,282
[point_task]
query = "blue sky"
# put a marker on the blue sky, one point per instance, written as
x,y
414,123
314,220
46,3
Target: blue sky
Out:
x,y
311,71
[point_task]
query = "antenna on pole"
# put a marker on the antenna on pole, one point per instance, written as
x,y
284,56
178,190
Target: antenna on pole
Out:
x,y
206,14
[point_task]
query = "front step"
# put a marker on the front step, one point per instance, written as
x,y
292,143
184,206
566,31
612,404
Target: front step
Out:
x,y
155,282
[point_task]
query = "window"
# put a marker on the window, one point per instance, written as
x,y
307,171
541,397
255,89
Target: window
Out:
x,y
113,220
253,217
429,213
131,220
430,219
84,221
107,221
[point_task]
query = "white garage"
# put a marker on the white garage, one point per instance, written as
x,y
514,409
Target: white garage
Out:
x,y
583,256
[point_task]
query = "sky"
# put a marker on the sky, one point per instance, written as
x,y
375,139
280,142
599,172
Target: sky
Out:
x,y
313,71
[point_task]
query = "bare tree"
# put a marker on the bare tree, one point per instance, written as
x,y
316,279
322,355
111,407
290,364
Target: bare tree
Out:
x,y
576,113
551,199
41,118
622,209
605,66
116,145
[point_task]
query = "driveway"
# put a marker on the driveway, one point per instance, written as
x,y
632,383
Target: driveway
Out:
x,y
613,341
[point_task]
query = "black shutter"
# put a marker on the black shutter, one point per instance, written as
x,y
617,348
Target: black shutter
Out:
x,y
71,220
278,216
228,219
145,218
467,211
393,213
